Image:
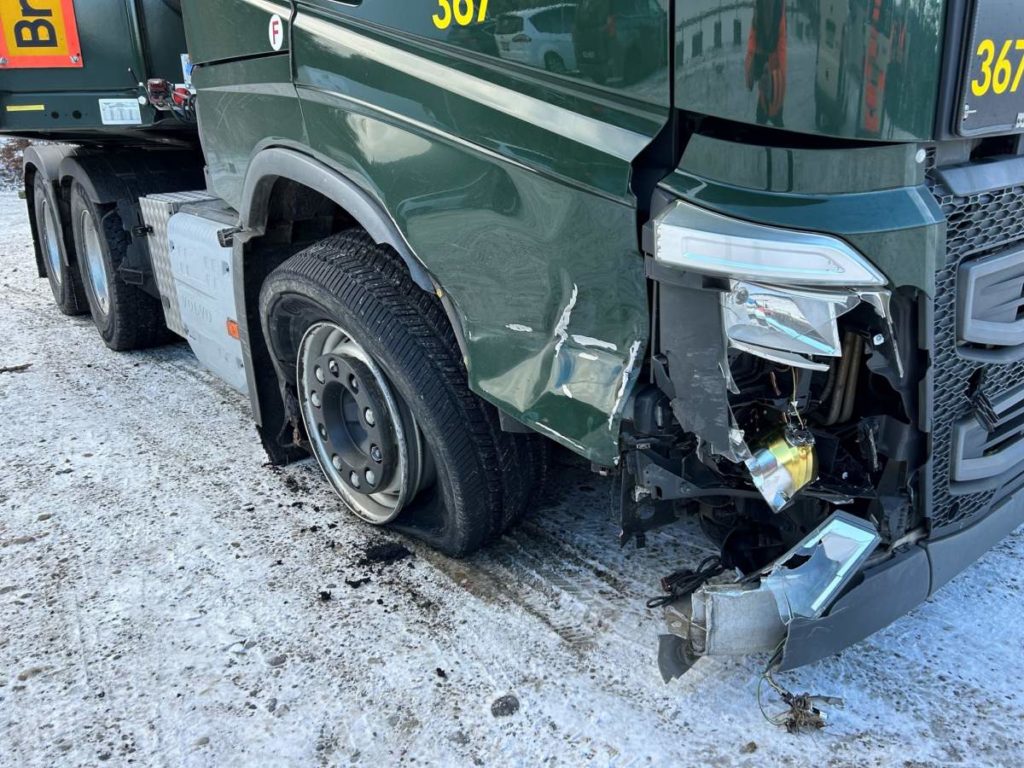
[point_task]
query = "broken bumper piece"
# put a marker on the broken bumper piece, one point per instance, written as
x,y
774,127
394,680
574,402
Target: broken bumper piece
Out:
x,y
775,611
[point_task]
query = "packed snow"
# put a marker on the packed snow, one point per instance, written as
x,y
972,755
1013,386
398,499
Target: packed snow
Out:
x,y
166,598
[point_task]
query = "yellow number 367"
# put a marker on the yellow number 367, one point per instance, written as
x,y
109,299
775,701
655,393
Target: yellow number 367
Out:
x,y
997,73
461,11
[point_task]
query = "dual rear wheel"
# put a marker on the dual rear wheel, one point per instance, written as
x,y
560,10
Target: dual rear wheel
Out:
x,y
125,315
65,281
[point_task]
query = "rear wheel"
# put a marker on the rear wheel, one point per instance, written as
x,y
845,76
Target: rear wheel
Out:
x,y
382,390
125,316
65,281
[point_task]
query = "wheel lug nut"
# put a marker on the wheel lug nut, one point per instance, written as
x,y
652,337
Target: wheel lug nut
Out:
x,y
354,479
353,383
376,454
368,415
370,477
336,461
323,432
314,398
332,366
319,373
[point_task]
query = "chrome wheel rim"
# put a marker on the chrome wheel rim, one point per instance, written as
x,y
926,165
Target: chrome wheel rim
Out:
x,y
51,242
95,268
363,435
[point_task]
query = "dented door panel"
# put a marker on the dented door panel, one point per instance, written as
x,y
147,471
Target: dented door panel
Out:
x,y
504,184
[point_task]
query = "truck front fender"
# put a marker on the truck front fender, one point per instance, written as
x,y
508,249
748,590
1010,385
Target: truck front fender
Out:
x,y
276,163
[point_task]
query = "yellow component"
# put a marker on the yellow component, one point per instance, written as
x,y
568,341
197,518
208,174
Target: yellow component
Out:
x,y
800,461
26,108
783,465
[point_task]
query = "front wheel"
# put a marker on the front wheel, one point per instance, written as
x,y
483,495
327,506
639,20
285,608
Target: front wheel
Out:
x,y
382,390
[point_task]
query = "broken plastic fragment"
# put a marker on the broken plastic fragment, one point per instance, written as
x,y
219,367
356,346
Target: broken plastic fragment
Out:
x,y
810,576
741,617
762,319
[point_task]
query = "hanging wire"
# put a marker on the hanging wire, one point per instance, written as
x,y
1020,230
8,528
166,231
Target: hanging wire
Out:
x,y
686,581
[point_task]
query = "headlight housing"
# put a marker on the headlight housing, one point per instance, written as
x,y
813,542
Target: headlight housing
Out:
x,y
697,240
786,288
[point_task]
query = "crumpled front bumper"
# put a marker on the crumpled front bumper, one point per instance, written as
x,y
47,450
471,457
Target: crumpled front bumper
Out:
x,y
896,586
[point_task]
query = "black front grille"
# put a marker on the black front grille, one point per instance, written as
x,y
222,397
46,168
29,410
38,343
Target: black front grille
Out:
x,y
979,225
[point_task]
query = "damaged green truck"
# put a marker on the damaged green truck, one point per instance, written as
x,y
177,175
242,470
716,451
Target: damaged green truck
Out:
x,y
762,261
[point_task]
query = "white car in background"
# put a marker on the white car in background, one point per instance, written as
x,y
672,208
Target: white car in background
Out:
x,y
538,37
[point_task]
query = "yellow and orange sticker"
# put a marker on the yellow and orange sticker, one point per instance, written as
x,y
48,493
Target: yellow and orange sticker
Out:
x,y
41,34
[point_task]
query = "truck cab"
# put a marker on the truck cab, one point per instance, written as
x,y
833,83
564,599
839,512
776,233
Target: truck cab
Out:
x,y
760,263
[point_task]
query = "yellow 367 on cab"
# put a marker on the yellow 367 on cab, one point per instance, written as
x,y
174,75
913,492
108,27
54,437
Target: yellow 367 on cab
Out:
x,y
998,74
459,11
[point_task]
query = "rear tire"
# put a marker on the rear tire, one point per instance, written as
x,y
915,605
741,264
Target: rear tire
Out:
x,y
480,479
126,317
65,281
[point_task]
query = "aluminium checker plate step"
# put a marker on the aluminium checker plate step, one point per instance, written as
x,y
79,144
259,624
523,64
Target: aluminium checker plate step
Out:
x,y
156,212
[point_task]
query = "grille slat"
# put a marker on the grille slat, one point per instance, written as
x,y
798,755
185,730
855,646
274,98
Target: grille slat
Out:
x,y
979,225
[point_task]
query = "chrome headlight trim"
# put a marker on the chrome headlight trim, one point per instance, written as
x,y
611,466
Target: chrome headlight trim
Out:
x,y
692,238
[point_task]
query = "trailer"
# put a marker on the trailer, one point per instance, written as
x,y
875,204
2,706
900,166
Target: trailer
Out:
x,y
767,279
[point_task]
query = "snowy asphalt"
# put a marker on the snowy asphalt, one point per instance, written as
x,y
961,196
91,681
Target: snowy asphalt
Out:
x,y
167,599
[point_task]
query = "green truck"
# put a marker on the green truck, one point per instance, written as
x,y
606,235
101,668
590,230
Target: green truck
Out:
x,y
759,261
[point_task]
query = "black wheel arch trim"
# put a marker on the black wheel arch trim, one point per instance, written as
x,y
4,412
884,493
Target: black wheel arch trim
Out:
x,y
268,166
276,163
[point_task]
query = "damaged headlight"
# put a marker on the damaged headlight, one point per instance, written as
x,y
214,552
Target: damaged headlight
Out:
x,y
787,288
761,318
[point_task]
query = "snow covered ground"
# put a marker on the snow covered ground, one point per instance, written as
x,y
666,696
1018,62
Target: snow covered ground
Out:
x,y
161,603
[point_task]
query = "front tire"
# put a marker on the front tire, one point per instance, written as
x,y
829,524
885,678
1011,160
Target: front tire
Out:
x,y
126,317
352,335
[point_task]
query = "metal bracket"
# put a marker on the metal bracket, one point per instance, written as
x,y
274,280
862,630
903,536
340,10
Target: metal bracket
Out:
x,y
226,237
632,497
132,276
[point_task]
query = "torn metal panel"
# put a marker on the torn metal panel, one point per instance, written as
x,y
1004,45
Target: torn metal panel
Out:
x,y
728,620
753,615
690,332
810,576
590,375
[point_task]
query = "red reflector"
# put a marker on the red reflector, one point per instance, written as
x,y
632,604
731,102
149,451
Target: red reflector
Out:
x,y
233,330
